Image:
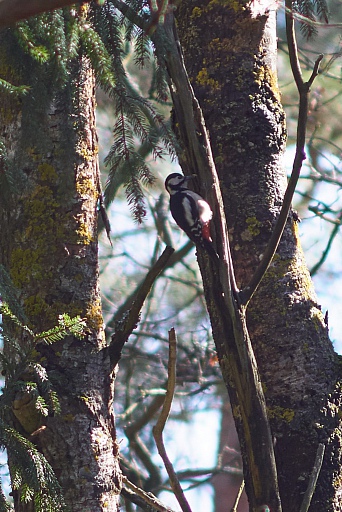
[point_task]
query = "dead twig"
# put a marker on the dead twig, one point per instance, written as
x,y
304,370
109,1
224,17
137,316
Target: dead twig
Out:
x,y
159,427
174,258
238,497
146,501
326,251
313,478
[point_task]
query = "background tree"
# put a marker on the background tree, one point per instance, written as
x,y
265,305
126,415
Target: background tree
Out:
x,y
246,79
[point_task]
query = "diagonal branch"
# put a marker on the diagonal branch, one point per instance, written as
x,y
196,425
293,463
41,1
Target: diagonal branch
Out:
x,y
303,90
175,257
313,478
326,251
146,501
130,317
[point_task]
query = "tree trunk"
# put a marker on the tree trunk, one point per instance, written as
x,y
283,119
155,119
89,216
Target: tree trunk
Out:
x,y
230,55
49,246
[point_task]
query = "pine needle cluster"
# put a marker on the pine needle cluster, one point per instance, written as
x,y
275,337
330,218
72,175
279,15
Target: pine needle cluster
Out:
x,y
43,50
311,10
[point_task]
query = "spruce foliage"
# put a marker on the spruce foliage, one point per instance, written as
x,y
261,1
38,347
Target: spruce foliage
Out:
x,y
31,474
311,10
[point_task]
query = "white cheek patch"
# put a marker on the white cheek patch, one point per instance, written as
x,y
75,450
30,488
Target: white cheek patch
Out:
x,y
205,212
188,212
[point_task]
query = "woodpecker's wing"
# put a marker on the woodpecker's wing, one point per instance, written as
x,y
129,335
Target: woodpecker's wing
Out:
x,y
193,214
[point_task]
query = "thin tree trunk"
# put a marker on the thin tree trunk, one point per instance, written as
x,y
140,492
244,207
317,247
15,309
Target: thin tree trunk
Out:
x,y
230,53
49,246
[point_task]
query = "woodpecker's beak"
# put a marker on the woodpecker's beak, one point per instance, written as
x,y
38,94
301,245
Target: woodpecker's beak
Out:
x,y
191,177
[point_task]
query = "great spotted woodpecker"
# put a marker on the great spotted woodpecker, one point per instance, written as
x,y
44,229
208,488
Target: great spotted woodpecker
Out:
x,y
190,211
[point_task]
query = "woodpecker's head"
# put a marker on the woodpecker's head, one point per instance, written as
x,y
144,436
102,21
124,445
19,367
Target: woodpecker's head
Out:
x,y
176,182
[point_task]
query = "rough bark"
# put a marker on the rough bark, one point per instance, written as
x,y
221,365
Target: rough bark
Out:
x,y
228,319
49,246
230,52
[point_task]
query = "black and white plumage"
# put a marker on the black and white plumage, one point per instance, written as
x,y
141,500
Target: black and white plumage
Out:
x,y
190,211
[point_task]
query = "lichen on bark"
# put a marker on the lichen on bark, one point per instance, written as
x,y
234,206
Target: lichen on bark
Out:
x,y
49,247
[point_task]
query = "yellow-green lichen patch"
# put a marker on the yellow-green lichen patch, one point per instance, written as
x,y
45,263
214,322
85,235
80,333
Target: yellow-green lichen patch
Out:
x,y
235,5
25,266
94,315
84,235
29,260
196,12
85,187
317,318
265,75
203,78
223,48
36,307
281,412
86,152
253,229
47,172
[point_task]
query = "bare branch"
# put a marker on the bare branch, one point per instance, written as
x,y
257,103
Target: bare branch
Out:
x,y
143,453
174,258
145,418
313,478
315,71
159,427
131,317
303,90
292,45
325,253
